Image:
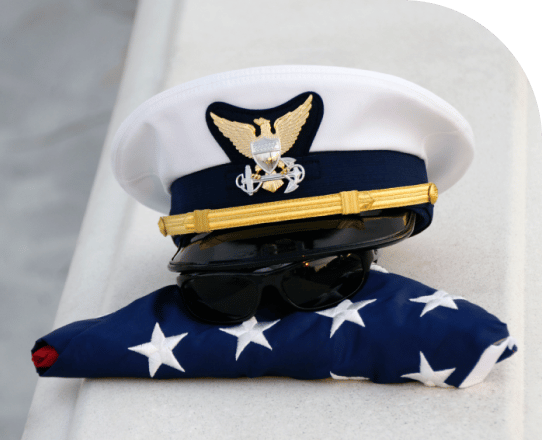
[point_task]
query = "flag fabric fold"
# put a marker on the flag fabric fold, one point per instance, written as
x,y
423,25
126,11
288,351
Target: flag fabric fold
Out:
x,y
394,330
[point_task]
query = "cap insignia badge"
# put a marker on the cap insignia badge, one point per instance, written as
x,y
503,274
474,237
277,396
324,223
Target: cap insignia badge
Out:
x,y
267,149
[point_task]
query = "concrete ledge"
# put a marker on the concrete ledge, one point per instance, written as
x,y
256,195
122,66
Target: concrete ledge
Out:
x,y
482,245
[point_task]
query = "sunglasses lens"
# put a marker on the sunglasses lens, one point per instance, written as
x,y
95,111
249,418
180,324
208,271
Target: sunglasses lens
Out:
x,y
221,298
323,282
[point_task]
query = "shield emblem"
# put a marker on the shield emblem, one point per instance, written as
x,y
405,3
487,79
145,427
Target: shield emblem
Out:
x,y
266,153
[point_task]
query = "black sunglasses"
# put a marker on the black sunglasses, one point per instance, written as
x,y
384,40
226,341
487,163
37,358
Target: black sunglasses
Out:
x,y
233,297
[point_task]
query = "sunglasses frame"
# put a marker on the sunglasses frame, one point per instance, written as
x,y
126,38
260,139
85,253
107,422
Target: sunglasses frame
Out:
x,y
271,278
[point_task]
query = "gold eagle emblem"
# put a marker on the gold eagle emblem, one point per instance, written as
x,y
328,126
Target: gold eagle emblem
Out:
x,y
267,148
287,129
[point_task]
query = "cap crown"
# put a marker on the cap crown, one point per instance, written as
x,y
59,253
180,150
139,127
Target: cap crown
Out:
x,y
171,136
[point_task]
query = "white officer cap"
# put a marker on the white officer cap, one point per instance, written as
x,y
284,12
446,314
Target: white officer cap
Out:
x,y
267,136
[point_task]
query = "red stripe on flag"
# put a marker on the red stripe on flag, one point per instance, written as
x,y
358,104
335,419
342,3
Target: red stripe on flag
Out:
x,y
45,357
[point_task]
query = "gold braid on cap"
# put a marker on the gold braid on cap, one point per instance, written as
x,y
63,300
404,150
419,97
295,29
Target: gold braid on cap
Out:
x,y
347,202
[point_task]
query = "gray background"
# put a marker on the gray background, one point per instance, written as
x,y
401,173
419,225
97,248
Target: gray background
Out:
x,y
60,67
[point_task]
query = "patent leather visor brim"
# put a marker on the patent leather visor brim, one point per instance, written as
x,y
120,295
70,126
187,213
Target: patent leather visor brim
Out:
x,y
261,246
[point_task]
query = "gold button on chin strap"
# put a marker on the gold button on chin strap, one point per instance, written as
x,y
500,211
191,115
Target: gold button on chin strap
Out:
x,y
346,202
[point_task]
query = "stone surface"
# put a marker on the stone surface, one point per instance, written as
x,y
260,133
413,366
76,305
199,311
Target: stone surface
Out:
x,y
60,68
483,244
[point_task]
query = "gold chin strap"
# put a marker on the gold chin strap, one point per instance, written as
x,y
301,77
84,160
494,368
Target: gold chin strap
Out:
x,y
347,202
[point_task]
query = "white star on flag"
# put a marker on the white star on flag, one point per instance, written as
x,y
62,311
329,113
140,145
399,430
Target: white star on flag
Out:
x,y
378,268
439,298
160,350
429,377
249,331
337,377
345,311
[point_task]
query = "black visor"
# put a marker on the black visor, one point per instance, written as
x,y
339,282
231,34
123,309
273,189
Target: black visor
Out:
x,y
261,246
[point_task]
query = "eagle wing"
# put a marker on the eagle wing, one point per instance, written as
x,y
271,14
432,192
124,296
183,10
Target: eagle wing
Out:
x,y
241,135
288,126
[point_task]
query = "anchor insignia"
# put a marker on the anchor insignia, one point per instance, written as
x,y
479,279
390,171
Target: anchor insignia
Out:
x,y
267,149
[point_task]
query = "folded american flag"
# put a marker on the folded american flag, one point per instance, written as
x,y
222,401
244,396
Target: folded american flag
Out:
x,y
393,330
